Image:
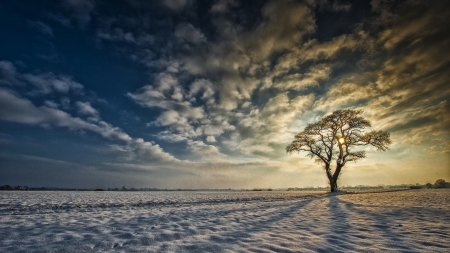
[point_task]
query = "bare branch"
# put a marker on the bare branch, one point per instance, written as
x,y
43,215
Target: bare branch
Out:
x,y
379,139
335,136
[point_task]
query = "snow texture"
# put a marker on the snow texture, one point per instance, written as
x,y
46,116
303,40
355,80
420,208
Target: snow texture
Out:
x,y
403,221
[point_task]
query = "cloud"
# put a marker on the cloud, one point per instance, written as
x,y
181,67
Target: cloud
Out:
x,y
44,83
337,6
14,108
350,91
221,6
8,74
205,152
302,81
285,24
17,109
48,82
410,21
253,87
117,35
176,5
41,27
65,103
177,123
85,108
418,126
166,93
205,89
210,139
222,92
186,32
51,104
151,152
79,10
266,132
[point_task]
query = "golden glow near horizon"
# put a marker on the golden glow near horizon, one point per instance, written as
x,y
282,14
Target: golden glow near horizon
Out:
x,y
341,140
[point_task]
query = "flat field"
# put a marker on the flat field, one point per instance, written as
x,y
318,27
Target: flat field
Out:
x,y
191,221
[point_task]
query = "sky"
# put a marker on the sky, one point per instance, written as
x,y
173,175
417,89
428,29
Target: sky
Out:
x,y
207,94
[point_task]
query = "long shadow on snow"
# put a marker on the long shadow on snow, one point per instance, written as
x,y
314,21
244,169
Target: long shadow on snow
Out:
x,y
384,225
221,240
162,218
338,230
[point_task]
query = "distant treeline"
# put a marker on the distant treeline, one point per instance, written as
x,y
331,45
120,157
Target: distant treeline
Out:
x,y
26,188
440,183
156,189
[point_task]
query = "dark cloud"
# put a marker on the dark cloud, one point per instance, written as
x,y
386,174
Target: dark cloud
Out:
x,y
415,123
79,10
8,74
42,27
176,5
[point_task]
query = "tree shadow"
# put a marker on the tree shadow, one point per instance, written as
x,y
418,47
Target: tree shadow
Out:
x,y
218,242
383,225
337,238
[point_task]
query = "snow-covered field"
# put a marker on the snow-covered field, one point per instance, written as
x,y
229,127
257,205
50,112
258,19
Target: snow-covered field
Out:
x,y
405,221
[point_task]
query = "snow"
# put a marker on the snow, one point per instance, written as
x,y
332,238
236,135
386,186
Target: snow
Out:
x,y
411,221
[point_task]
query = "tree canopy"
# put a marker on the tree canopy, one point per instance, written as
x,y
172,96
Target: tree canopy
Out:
x,y
335,138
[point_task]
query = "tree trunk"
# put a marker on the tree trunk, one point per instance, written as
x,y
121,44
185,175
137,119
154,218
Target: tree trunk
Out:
x,y
333,185
333,182
334,178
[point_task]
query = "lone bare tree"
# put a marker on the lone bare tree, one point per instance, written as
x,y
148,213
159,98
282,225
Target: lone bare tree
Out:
x,y
334,137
